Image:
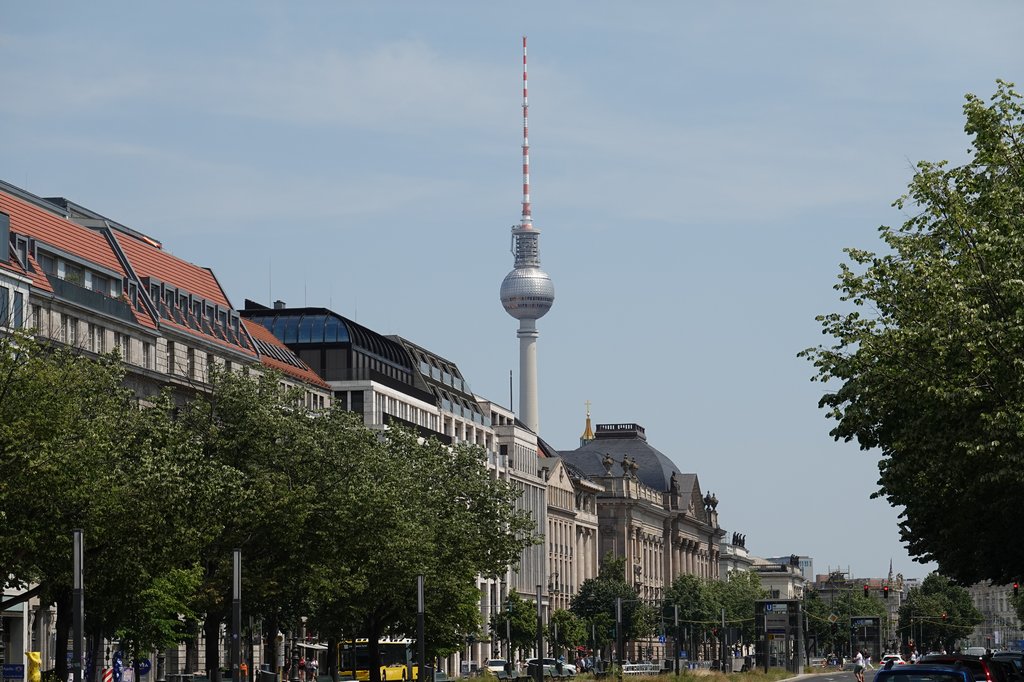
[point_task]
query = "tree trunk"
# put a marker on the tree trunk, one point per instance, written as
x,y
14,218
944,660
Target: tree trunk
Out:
x,y
63,632
373,632
332,658
211,634
96,659
192,648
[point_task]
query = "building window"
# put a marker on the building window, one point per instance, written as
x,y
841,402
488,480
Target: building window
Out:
x,y
37,317
210,362
48,263
5,294
96,338
19,304
147,355
71,330
190,354
171,362
74,273
121,342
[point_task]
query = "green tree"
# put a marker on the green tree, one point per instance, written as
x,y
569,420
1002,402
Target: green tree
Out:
x,y
926,362
737,595
821,629
595,604
78,453
937,614
422,508
565,630
516,623
698,605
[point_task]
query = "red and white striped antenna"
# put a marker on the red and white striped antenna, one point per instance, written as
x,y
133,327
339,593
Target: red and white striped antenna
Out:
x,y
527,219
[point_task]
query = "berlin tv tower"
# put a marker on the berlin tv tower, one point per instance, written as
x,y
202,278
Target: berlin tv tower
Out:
x,y
527,292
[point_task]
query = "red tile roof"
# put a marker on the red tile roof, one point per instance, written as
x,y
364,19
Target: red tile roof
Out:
x,y
148,261
59,232
66,235
261,333
13,266
171,324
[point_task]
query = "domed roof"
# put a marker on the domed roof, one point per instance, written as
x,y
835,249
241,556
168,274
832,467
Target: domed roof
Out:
x,y
654,470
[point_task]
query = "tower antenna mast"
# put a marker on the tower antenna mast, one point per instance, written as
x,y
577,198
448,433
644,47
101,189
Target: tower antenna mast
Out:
x,y
527,220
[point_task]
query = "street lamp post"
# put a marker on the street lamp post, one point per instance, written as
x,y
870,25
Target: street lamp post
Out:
x,y
676,636
539,668
619,639
293,669
421,642
508,636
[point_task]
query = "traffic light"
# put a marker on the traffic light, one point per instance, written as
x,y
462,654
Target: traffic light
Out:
x,y
1016,590
944,617
866,589
885,592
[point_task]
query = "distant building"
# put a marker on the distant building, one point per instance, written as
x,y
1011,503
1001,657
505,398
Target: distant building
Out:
x,y
649,512
804,563
1000,628
783,580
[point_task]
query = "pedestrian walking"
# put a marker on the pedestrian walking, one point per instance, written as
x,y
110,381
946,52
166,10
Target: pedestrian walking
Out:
x,y
858,666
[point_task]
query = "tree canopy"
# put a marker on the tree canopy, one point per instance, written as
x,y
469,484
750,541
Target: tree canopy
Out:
x,y
927,358
334,520
595,603
937,614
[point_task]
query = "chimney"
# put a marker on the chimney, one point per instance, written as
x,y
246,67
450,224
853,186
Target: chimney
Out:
x,y
5,237
279,305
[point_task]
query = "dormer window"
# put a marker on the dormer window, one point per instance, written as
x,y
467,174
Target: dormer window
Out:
x,y
48,263
74,273
100,284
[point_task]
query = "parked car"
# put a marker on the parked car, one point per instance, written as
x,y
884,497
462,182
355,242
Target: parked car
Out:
x,y
496,665
551,667
933,672
984,670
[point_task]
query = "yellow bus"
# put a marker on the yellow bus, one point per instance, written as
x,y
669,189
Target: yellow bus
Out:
x,y
396,659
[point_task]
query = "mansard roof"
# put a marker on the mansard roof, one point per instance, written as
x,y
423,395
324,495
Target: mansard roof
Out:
x,y
79,234
43,222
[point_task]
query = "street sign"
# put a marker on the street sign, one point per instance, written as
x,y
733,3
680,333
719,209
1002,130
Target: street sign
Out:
x,y
14,671
832,618
661,639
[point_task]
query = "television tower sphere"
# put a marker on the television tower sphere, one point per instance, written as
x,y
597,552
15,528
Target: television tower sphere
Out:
x,y
527,293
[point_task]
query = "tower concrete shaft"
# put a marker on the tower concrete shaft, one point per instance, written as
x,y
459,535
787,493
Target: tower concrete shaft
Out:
x,y
528,409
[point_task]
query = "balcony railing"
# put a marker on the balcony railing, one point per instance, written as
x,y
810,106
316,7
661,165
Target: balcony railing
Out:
x,y
93,300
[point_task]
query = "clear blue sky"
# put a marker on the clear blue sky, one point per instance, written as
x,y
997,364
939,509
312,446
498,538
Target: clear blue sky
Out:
x,y
697,169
